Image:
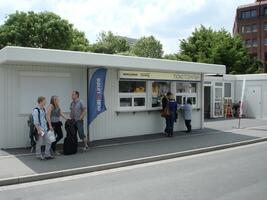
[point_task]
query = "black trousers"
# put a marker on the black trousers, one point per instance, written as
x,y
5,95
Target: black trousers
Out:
x,y
188,125
59,134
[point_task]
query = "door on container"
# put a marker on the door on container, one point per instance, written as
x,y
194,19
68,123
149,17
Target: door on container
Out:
x,y
207,101
253,103
218,100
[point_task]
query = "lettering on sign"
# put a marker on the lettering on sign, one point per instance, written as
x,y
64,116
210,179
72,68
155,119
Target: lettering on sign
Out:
x,y
159,76
98,94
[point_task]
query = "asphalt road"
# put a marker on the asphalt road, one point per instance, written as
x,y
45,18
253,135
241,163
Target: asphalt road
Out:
x,y
236,174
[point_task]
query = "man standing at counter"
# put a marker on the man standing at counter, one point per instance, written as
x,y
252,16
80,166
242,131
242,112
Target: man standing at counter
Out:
x,y
187,108
164,103
171,116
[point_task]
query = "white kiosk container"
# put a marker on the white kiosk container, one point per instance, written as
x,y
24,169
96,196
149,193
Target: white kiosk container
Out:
x,y
227,89
132,91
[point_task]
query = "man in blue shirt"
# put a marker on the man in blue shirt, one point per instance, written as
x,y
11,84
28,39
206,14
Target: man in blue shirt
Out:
x,y
39,120
172,117
187,108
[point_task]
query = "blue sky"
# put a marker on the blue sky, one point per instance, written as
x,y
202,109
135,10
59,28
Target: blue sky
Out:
x,y
169,21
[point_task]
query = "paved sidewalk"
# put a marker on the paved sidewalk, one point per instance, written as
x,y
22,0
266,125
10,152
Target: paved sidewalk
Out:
x,y
21,165
229,124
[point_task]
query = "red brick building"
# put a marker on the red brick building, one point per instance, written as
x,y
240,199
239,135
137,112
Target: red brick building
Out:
x,y
251,25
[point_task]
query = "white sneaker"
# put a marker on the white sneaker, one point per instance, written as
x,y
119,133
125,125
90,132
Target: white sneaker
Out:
x,y
85,148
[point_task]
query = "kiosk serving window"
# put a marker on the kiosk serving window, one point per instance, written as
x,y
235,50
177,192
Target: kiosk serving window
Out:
x,y
132,94
140,91
186,90
159,88
186,87
132,87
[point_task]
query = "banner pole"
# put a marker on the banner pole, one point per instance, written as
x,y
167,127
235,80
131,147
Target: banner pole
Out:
x,y
241,102
88,125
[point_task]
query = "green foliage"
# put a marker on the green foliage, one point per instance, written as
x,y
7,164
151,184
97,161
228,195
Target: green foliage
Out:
x,y
41,30
126,53
79,41
219,47
109,43
171,56
148,47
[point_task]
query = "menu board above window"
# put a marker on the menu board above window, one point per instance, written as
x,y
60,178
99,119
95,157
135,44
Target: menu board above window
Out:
x,y
159,76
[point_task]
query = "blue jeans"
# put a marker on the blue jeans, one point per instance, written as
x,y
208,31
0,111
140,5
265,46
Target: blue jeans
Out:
x,y
166,122
169,124
80,129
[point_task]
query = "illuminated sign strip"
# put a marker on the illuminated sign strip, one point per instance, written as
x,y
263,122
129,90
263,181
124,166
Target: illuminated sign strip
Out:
x,y
159,76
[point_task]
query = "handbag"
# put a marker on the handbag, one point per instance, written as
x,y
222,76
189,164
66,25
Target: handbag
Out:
x,y
51,136
165,112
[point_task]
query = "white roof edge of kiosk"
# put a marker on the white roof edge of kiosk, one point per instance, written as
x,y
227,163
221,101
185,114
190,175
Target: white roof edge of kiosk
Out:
x,y
37,56
255,77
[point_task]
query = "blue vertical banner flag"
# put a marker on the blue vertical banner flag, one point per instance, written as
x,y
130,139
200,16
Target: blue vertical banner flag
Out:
x,y
96,97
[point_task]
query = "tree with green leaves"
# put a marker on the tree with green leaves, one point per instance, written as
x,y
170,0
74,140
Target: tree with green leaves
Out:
x,y
41,30
148,47
218,47
79,41
173,56
109,43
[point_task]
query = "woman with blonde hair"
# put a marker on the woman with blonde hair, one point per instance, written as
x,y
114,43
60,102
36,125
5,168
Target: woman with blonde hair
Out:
x,y
53,118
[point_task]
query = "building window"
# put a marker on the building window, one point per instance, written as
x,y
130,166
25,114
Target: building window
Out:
x,y
125,102
265,41
248,14
243,15
227,90
186,91
139,101
132,87
265,11
265,25
243,28
248,43
254,28
254,43
132,94
253,13
218,94
181,99
159,88
186,87
193,100
247,29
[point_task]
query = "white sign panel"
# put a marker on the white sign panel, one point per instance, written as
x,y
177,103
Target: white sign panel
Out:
x,y
159,76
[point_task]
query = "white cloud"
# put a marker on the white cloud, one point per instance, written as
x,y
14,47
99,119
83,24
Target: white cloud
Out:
x,y
167,20
133,19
